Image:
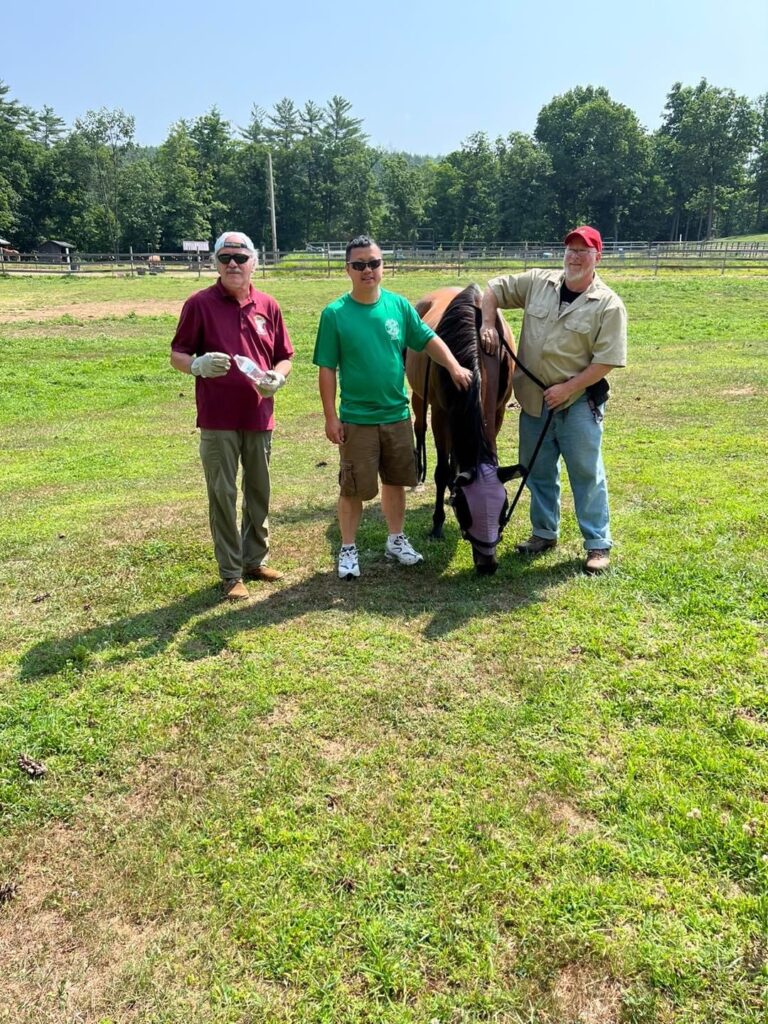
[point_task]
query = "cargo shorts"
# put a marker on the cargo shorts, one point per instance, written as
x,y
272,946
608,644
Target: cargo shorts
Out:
x,y
371,451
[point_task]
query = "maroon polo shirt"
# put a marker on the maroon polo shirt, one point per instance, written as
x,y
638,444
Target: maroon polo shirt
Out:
x,y
214,321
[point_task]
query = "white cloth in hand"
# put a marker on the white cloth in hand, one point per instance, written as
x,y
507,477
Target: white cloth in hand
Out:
x,y
212,364
271,382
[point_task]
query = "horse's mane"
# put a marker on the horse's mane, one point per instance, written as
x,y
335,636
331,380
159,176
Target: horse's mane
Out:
x,y
459,329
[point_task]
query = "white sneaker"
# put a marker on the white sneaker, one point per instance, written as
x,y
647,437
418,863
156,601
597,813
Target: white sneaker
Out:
x,y
349,566
400,548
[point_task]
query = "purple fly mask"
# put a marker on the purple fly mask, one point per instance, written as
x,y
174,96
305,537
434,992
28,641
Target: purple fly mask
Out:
x,y
479,501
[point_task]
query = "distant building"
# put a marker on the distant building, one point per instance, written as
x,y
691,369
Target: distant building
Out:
x,y
61,250
7,252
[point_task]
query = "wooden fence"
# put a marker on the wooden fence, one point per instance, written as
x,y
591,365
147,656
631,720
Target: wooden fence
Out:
x,y
470,260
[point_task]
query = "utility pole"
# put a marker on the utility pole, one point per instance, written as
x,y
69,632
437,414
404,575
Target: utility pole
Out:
x,y
272,209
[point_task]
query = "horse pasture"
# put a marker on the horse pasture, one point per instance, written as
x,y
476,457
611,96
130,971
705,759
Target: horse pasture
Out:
x,y
423,796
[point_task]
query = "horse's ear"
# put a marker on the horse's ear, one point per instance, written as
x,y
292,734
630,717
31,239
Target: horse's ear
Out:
x,y
506,473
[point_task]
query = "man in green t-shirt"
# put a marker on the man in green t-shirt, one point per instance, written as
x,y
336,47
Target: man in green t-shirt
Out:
x,y
362,336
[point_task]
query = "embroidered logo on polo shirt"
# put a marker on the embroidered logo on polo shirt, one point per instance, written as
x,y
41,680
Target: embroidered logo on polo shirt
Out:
x,y
261,324
392,327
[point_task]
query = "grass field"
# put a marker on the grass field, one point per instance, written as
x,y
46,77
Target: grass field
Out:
x,y
423,797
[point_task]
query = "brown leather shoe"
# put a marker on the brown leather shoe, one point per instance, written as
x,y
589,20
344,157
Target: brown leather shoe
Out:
x,y
597,561
235,590
263,573
535,545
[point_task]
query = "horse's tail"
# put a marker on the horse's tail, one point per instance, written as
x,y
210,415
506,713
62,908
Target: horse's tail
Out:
x,y
421,431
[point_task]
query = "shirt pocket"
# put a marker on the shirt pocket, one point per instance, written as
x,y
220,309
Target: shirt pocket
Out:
x,y
577,334
537,321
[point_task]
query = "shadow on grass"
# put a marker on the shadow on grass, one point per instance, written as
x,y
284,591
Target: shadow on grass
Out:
x,y
423,593
128,639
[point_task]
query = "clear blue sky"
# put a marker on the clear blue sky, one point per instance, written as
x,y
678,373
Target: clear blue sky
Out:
x,y
422,74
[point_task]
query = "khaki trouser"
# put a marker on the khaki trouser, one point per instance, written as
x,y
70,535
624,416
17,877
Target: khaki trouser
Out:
x,y
221,451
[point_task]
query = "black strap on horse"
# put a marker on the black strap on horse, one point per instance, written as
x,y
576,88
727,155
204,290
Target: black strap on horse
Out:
x,y
540,440
421,445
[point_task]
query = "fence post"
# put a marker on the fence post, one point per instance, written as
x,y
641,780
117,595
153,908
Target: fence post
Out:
x,y
328,258
458,262
725,257
130,252
656,263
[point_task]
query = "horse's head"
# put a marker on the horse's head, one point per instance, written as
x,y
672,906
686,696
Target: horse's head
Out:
x,y
478,495
480,502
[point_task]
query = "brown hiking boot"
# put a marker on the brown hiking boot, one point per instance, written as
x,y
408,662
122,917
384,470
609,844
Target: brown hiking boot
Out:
x,y
235,590
263,573
535,545
597,561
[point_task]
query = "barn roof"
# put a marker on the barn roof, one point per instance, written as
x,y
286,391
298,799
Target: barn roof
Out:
x,y
53,241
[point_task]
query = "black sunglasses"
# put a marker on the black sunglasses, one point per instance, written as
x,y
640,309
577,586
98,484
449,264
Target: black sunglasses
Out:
x,y
362,264
238,257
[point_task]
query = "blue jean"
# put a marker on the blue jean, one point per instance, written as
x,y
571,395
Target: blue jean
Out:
x,y
574,434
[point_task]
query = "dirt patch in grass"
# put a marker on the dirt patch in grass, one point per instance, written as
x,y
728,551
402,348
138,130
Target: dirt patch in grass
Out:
x,y
63,941
741,392
563,813
581,995
95,310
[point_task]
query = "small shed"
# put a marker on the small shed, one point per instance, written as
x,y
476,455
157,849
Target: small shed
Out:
x,y
7,252
57,251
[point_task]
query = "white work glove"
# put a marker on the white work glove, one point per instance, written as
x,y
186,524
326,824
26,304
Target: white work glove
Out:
x,y
271,382
212,364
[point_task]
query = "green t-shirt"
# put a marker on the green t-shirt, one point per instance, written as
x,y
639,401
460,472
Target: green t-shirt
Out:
x,y
365,343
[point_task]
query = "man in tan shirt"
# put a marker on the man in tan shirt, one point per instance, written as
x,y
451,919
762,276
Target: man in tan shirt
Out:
x,y
574,333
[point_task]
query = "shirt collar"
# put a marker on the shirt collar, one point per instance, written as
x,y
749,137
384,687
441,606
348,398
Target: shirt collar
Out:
x,y
222,292
595,290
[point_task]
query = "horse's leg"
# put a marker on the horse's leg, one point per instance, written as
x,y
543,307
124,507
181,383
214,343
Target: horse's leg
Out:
x,y
443,471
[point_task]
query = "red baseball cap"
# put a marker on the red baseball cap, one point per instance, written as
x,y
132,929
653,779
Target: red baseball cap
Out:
x,y
589,236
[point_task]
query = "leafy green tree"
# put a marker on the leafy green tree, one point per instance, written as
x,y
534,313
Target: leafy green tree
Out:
x,y
17,156
349,201
212,138
284,124
525,198
108,134
710,133
184,214
141,199
759,168
599,154
403,190
48,127
245,182
467,186
442,203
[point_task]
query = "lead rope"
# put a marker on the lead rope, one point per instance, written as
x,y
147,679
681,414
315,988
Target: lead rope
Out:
x,y
526,469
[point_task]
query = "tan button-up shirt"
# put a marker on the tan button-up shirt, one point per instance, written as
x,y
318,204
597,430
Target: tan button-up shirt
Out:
x,y
556,345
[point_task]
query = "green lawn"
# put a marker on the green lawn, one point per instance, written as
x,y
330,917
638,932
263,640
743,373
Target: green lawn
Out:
x,y
422,797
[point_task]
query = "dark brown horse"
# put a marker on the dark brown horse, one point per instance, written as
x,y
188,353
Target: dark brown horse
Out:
x,y
464,423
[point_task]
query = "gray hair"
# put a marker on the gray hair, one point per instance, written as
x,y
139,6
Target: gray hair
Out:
x,y
244,243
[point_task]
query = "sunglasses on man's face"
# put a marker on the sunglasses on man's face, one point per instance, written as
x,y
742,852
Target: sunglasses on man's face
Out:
x,y
362,264
239,257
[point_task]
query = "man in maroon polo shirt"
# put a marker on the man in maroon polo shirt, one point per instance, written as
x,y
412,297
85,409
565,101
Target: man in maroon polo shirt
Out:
x,y
234,414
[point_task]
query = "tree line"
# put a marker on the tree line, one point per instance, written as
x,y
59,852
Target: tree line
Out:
x,y
703,172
